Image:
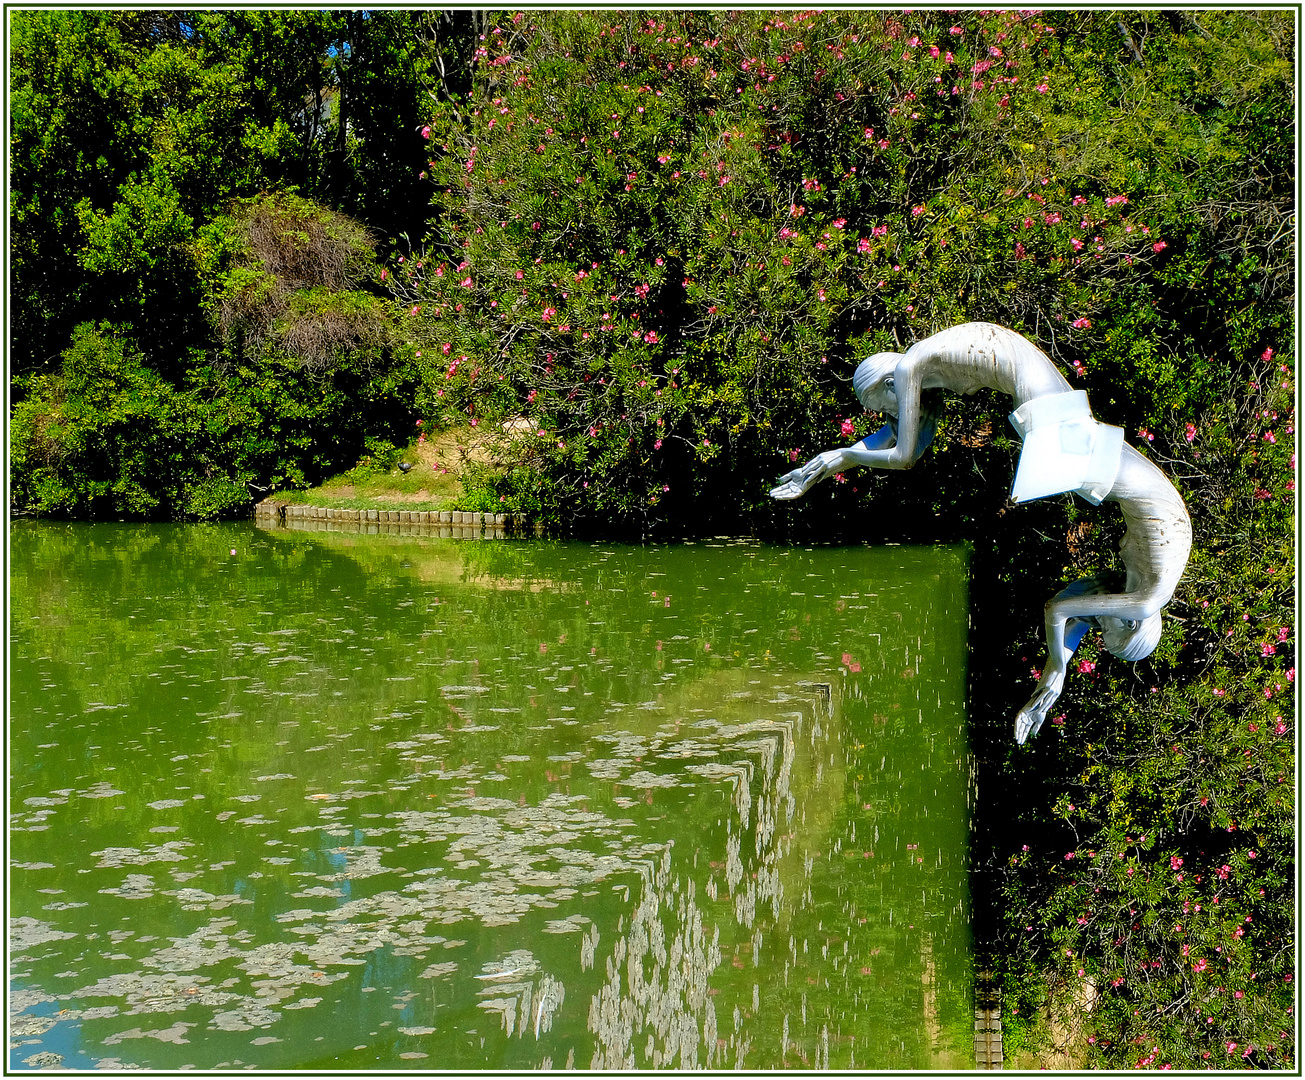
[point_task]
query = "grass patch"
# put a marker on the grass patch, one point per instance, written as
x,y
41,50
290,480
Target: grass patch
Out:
x,y
377,482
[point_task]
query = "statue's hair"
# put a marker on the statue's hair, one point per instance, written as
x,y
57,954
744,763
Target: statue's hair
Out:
x,y
1130,645
871,370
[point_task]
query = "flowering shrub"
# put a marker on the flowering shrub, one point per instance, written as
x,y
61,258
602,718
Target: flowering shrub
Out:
x,y
1172,890
666,240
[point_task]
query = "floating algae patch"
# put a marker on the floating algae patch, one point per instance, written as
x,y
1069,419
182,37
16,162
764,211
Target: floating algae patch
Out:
x,y
510,806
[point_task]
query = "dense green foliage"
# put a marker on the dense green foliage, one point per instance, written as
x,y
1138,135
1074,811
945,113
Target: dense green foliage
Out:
x,y
137,140
300,375
667,240
659,244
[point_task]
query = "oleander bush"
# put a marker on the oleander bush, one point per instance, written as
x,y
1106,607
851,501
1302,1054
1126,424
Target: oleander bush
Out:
x,y
667,239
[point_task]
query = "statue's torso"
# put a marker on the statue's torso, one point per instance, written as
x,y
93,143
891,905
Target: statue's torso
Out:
x,y
976,355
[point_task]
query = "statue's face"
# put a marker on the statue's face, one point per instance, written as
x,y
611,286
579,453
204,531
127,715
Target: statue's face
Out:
x,y
1129,639
881,395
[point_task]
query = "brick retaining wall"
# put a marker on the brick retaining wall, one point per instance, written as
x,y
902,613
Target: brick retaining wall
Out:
x,y
465,524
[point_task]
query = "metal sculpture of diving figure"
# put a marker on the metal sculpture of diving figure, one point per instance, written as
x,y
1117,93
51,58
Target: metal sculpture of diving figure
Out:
x,y
1064,449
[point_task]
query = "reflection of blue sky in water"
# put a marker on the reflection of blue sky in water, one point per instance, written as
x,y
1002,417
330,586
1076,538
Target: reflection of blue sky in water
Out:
x,y
453,816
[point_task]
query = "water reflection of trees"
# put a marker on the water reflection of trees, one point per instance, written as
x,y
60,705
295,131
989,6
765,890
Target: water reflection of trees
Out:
x,y
369,766
815,957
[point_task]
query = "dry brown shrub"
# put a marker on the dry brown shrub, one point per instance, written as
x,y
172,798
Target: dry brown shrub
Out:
x,y
45,443
291,288
307,246
316,337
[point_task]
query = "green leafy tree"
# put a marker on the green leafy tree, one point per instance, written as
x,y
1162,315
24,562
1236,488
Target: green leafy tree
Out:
x,y
137,140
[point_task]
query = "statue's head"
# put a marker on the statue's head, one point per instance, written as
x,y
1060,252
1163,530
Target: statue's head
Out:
x,y
1130,640
873,382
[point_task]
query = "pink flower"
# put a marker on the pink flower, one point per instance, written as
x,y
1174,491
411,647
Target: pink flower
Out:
x,y
1191,432
1267,355
847,429
1086,667
425,132
651,337
1081,324
1159,245
657,445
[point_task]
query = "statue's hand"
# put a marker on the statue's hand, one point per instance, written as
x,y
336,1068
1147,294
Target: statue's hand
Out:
x,y
797,483
1029,719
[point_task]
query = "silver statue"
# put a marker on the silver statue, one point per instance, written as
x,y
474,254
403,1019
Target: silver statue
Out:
x,y
1064,449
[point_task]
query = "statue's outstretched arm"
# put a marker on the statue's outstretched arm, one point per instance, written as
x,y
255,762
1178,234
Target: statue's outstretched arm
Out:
x,y
894,446
1069,614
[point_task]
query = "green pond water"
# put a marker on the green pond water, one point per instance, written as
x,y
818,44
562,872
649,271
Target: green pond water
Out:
x,y
288,800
